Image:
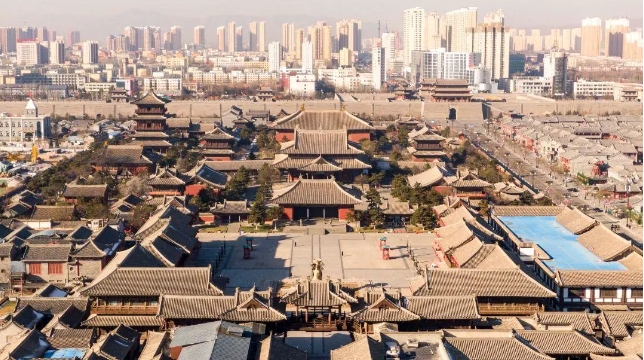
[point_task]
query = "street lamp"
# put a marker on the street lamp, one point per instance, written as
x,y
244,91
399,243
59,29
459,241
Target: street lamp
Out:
x,y
533,172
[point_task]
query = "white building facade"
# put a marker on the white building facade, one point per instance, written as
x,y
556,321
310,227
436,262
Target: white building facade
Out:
x,y
413,32
378,67
30,127
274,56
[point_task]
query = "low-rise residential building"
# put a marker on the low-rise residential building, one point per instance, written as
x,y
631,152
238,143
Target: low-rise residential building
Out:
x,y
593,89
302,85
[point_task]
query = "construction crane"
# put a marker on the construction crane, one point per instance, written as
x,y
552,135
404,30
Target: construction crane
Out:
x,y
34,153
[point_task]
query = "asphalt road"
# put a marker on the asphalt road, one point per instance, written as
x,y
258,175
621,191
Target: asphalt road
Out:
x,y
541,178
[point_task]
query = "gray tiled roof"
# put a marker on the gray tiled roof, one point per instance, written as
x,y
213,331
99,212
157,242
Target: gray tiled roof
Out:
x,y
615,323
230,347
153,282
317,293
194,334
127,320
72,338
59,213
211,176
125,154
577,320
200,351
52,306
364,348
274,348
47,253
599,278
89,191
482,283
506,348
231,207
31,346
324,119
315,192
320,142
234,165
563,342
443,307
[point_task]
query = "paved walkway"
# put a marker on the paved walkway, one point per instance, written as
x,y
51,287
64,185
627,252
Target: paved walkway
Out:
x,y
280,256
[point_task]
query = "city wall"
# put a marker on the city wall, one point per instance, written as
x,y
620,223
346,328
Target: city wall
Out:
x,y
431,111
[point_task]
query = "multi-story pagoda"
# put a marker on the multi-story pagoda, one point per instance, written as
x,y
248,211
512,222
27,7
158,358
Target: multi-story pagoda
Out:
x,y
151,116
426,146
217,145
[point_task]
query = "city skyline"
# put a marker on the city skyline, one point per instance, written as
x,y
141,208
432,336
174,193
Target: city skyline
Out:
x,y
163,15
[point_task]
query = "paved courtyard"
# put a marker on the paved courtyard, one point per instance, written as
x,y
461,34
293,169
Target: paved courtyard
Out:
x,y
279,256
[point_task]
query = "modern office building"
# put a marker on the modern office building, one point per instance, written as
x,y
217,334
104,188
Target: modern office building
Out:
x,y
73,37
133,34
56,52
288,37
349,35
175,38
320,36
90,52
345,57
440,64
535,41
434,25
517,63
494,17
457,23
388,41
632,46
274,56
307,57
239,39
28,53
8,39
261,36
299,39
492,41
378,67
221,38
252,36
42,34
231,35
614,41
591,36
555,69
257,36
199,36
413,32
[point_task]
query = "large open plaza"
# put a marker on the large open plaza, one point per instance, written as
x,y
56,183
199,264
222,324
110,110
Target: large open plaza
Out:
x,y
279,256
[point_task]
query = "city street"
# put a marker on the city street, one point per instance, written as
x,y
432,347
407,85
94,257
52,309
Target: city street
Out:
x,y
524,163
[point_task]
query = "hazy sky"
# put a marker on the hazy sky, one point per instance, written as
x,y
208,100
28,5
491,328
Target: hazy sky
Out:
x,y
97,19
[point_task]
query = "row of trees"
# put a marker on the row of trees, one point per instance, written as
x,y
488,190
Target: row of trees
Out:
x,y
260,211
424,198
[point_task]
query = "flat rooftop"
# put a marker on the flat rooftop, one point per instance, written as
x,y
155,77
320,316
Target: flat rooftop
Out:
x,y
558,242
